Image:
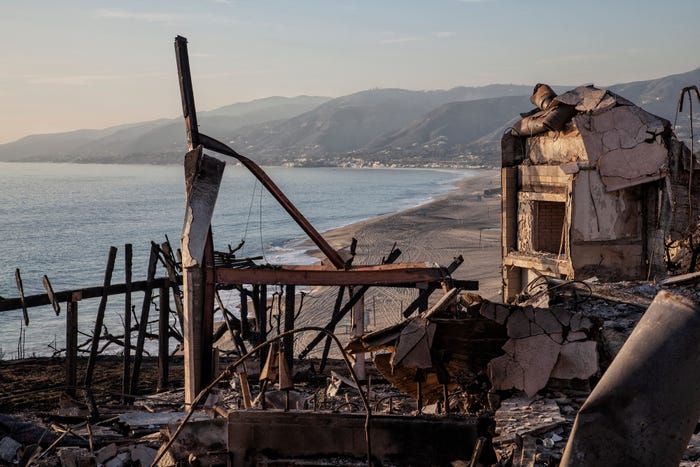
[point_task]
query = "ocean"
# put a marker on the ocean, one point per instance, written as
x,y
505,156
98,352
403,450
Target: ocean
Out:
x,y
61,219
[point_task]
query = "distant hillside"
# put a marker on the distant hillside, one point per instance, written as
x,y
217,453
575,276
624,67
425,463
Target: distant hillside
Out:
x,y
460,127
450,128
152,141
350,123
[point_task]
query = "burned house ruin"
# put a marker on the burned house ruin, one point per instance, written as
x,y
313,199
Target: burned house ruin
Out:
x,y
593,185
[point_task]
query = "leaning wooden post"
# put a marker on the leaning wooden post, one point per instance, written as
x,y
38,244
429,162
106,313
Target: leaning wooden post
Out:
x,y
72,344
100,316
288,341
126,376
164,336
143,323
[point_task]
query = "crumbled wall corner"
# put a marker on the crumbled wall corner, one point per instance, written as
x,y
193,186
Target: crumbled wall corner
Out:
x,y
543,343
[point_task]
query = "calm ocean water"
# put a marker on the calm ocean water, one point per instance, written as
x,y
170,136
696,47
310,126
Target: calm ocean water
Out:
x,y
61,219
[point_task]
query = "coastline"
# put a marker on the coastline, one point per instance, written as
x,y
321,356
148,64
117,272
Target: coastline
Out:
x,y
461,222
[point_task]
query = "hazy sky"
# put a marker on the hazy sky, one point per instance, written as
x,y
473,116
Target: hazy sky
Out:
x,y
92,64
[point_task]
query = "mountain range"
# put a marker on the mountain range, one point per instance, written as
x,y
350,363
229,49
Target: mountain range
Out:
x,y
456,127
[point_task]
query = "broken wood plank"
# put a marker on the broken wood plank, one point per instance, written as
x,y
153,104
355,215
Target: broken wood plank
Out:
x,y
20,289
99,319
681,279
52,297
201,199
445,301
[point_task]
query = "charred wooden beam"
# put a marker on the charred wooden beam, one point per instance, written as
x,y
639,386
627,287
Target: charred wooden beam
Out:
x,y
31,301
71,346
126,375
143,323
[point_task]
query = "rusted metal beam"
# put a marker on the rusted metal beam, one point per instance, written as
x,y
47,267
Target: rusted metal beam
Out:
x,y
195,138
403,275
31,301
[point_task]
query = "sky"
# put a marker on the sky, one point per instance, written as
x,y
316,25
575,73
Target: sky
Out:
x,y
75,64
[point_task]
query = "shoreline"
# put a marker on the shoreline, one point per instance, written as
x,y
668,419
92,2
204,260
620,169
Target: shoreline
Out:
x,y
452,221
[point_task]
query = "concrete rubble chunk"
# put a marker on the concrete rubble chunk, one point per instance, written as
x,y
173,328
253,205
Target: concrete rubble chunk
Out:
x,y
494,311
76,457
122,459
106,453
580,323
142,454
8,449
547,321
563,316
518,325
527,364
576,360
576,336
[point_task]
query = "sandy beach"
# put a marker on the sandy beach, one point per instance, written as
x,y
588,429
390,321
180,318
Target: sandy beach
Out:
x,y
462,222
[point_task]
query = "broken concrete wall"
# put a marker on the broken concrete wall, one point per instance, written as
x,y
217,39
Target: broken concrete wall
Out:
x,y
607,232
600,216
543,343
556,147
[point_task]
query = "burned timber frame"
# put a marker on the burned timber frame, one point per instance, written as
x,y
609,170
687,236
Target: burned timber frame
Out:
x,y
200,274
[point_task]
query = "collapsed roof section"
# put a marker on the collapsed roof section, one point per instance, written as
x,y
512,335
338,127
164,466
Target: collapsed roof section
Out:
x,y
594,185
